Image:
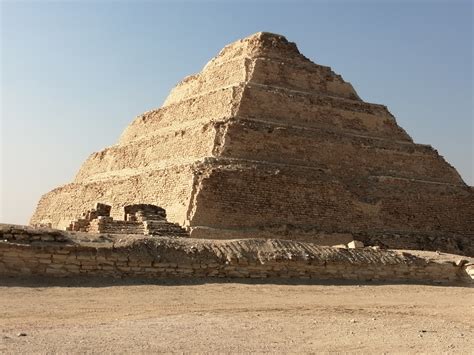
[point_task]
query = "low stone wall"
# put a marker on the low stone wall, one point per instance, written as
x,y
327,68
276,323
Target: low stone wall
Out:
x,y
164,257
24,234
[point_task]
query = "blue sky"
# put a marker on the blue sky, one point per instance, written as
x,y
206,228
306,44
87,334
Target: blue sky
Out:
x,y
74,74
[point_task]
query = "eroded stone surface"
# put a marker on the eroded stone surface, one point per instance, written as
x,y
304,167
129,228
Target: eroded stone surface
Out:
x,y
28,251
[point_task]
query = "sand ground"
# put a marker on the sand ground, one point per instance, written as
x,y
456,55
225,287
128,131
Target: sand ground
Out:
x,y
96,316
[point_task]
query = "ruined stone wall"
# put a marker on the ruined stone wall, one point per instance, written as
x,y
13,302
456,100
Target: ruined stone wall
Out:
x,y
171,258
117,227
169,188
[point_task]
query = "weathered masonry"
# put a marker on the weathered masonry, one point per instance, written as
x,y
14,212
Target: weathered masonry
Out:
x,y
263,142
25,251
137,219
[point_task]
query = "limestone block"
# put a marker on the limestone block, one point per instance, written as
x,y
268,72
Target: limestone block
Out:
x,y
45,261
355,244
461,262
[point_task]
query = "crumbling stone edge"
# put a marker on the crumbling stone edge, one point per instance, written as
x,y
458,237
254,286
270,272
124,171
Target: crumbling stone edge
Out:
x,y
26,251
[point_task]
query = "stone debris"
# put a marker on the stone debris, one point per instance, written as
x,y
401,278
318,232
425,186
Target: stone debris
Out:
x,y
355,244
461,262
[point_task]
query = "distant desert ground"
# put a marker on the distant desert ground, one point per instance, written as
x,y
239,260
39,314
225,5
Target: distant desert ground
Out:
x,y
96,316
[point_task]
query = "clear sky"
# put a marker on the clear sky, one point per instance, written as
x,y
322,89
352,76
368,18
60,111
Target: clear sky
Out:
x,y
74,74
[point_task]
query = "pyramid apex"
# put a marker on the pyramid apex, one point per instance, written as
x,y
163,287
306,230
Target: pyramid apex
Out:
x,y
267,40
260,44
265,34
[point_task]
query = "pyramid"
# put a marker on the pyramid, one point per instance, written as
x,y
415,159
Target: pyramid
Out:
x,y
265,143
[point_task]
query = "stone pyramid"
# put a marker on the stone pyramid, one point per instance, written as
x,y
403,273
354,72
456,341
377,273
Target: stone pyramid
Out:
x,y
264,142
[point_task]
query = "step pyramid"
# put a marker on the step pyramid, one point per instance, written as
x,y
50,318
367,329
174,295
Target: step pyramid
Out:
x,y
264,142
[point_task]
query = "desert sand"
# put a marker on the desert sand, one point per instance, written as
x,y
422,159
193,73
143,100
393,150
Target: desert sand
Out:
x,y
104,316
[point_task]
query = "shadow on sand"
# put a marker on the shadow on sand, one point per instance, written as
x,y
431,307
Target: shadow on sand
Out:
x,y
88,281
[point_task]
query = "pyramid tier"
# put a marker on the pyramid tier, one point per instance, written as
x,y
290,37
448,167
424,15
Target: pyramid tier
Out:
x,y
169,188
310,78
272,105
313,110
347,156
238,196
190,130
233,197
211,106
164,148
267,59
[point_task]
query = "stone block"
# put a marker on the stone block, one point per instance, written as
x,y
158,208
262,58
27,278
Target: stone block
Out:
x,y
43,255
89,262
60,257
89,267
105,262
461,262
47,238
56,271
56,266
107,267
72,261
45,261
85,257
355,244
72,268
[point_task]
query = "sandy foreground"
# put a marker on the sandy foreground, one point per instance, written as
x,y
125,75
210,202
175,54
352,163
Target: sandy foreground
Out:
x,y
96,316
